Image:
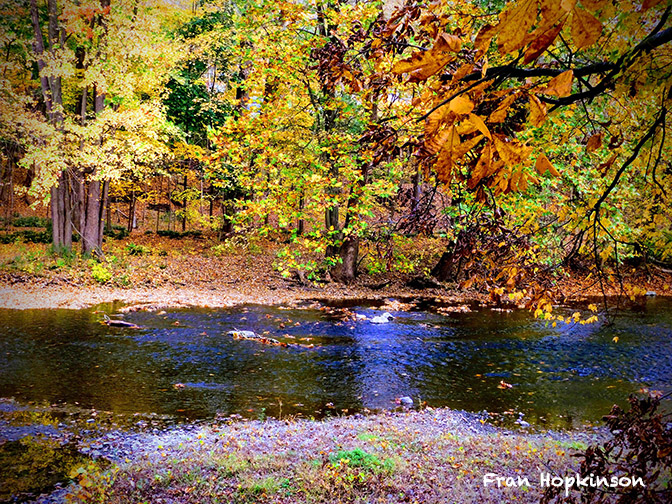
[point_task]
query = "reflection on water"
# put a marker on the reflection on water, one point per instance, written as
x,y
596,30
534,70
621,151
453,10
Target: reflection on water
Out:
x,y
560,376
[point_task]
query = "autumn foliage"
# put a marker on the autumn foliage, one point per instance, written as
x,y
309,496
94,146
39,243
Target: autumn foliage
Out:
x,y
531,136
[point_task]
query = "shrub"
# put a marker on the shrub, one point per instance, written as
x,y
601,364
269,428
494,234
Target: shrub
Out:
x,y
100,273
640,447
116,232
178,235
133,249
41,222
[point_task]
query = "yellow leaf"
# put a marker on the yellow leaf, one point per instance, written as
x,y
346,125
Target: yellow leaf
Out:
x,y
560,85
537,111
514,23
461,105
586,29
480,125
615,339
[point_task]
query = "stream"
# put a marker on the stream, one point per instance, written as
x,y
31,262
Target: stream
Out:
x,y
182,364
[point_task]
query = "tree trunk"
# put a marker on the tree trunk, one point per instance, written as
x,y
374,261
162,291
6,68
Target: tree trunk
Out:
x,y
53,102
346,270
184,205
446,270
302,223
131,213
94,195
417,190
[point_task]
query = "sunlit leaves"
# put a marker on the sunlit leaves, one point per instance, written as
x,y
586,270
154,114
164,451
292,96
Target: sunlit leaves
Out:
x,y
560,85
585,28
423,64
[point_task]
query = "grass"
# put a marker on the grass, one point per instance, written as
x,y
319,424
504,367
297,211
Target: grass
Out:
x,y
425,457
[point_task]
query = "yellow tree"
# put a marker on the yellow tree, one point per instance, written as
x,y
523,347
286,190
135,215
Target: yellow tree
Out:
x,y
310,111
101,65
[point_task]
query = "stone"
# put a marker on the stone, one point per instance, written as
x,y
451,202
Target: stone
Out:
x,y
382,319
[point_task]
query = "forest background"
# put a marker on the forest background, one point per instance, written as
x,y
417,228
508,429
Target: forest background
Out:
x,y
493,146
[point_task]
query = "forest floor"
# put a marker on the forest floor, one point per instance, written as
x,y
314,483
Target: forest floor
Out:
x,y
150,270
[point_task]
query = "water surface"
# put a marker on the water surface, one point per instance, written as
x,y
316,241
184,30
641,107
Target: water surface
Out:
x,y
563,376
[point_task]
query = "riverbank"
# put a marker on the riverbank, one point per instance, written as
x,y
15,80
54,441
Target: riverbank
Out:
x,y
180,273
429,456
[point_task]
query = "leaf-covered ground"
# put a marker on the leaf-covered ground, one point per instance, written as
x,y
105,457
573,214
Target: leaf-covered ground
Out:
x,y
201,272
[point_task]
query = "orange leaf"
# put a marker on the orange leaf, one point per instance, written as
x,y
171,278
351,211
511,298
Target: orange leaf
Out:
x,y
440,116
499,115
461,72
460,150
647,4
434,144
586,29
522,184
603,168
461,105
537,111
423,64
447,42
542,42
514,24
444,164
484,37
513,181
560,85
479,124
481,169
513,153
595,5
544,164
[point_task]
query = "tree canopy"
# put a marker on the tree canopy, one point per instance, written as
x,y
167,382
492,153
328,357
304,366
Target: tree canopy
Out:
x,y
530,134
